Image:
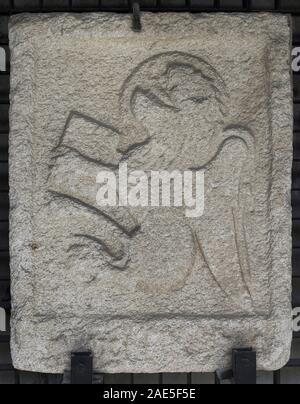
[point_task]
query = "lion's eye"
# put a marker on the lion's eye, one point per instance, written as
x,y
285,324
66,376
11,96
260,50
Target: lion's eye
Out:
x,y
198,100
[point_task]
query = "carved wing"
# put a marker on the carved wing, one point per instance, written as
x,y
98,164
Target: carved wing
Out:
x,y
222,240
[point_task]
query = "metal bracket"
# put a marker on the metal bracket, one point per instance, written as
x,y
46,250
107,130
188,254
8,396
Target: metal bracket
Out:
x,y
243,368
81,368
136,16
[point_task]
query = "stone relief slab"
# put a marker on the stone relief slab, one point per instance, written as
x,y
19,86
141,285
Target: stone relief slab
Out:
x,y
150,288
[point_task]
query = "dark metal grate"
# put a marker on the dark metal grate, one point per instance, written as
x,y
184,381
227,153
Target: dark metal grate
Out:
x,y
8,7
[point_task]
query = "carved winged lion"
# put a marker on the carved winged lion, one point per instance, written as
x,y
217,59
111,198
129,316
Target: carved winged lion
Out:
x,y
173,111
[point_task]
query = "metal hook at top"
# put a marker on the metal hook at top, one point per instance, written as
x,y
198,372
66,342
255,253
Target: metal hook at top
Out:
x,y
136,13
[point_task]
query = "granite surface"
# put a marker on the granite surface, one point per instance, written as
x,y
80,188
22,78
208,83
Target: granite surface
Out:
x,y
150,288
